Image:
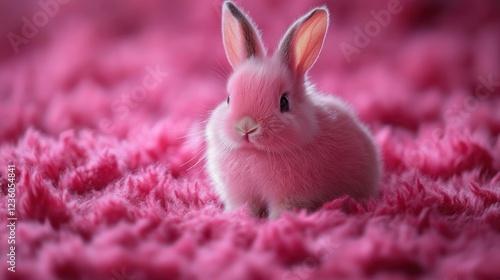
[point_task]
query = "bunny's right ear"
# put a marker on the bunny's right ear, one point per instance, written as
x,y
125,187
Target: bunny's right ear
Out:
x,y
241,38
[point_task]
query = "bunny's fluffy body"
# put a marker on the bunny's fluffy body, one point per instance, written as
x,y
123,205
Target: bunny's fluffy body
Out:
x,y
278,144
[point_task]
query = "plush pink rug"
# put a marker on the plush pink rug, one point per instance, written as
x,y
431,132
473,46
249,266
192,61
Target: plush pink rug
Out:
x,y
102,108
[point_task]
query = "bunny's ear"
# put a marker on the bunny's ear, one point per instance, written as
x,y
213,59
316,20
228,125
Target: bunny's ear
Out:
x,y
303,41
241,38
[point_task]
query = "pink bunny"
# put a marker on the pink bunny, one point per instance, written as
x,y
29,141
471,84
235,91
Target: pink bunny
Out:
x,y
277,143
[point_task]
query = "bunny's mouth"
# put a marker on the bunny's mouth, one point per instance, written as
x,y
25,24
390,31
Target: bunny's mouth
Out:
x,y
249,135
246,138
247,141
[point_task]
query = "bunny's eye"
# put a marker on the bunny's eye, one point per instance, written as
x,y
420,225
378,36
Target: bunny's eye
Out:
x,y
284,107
228,99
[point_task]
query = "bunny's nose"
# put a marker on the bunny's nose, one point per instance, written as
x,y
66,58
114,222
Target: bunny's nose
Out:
x,y
247,127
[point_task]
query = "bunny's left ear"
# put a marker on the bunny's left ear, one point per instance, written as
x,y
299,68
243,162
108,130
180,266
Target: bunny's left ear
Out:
x,y
241,38
301,45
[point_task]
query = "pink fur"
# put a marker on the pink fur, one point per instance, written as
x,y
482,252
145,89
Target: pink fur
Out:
x,y
274,160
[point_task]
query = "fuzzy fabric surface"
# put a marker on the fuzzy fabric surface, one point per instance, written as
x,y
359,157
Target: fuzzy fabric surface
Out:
x,y
102,110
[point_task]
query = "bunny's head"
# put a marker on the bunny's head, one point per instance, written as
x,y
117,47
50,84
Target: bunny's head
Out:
x,y
268,107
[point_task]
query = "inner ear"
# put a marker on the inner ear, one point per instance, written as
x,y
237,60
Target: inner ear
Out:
x,y
301,45
241,38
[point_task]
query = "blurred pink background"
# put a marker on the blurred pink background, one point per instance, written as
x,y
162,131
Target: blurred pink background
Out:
x,y
84,61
